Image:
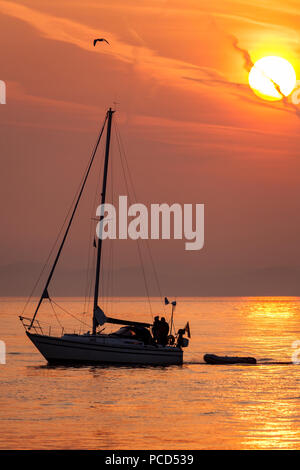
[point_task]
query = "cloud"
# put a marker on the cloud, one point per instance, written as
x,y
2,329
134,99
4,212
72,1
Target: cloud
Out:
x,y
194,126
19,94
175,71
248,64
40,103
81,35
213,78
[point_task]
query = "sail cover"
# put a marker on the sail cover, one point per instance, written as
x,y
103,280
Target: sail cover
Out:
x,y
100,316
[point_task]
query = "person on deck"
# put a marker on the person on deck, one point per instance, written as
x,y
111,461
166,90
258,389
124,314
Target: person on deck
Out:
x,y
163,331
155,328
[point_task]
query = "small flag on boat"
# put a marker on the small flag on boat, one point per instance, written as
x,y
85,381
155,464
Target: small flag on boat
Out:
x,y
167,302
187,329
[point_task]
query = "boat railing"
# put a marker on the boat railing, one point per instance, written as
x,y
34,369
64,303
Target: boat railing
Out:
x,y
42,328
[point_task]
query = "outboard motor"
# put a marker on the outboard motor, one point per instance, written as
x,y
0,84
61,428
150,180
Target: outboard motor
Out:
x,y
184,343
181,341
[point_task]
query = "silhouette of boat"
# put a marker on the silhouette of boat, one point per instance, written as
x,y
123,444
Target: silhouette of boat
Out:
x,y
132,344
214,359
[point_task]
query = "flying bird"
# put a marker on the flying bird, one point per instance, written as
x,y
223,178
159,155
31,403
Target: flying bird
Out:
x,y
100,39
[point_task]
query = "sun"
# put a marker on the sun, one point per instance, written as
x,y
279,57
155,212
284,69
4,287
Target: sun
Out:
x,y
272,78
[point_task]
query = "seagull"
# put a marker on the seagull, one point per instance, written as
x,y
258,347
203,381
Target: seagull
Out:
x,y
100,39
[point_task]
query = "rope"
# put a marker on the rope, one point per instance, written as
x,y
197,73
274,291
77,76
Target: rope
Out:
x,y
55,314
146,241
90,264
69,313
138,240
63,224
84,179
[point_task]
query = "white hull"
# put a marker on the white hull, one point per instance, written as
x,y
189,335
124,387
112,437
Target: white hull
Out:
x,y
103,350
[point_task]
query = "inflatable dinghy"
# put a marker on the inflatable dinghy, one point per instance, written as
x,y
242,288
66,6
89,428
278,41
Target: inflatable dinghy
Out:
x,y
213,359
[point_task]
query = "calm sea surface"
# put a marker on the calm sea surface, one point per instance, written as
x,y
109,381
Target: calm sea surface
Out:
x,y
194,406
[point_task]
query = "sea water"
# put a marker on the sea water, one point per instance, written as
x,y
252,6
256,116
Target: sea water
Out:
x,y
193,406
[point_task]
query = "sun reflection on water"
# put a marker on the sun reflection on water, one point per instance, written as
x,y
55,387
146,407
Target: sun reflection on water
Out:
x,y
274,307
195,406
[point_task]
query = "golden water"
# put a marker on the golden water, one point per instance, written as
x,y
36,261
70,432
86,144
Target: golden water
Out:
x,y
194,406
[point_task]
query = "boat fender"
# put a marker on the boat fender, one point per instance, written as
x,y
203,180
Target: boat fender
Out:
x,y
184,343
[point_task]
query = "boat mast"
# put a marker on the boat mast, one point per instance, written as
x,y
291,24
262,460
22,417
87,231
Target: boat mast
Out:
x,y
103,194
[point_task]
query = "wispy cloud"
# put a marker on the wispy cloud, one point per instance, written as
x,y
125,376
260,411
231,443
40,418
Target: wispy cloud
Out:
x,y
248,64
177,72
81,35
213,78
19,94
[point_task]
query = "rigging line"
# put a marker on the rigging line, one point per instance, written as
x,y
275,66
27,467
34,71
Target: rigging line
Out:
x,y
105,276
91,239
96,197
55,314
138,241
92,226
109,279
111,275
69,224
105,285
56,240
111,241
87,270
93,267
106,279
138,245
98,276
113,245
112,289
87,277
51,251
69,313
146,241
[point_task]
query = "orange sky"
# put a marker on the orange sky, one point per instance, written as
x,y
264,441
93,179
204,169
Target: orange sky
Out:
x,y
193,130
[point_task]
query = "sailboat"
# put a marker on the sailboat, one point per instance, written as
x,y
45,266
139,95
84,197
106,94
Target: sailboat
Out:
x,y
135,343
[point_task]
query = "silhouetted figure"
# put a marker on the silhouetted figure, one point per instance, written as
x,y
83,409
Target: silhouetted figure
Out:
x,y
143,334
163,331
100,39
155,328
